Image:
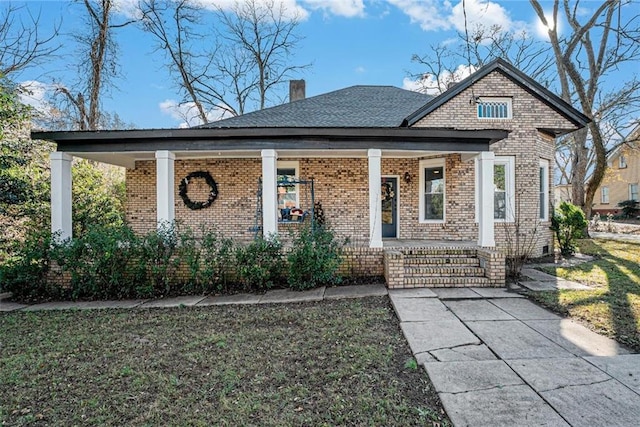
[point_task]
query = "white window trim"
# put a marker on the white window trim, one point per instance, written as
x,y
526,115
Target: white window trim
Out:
x,y
622,162
509,162
544,164
630,193
291,164
509,102
430,163
604,191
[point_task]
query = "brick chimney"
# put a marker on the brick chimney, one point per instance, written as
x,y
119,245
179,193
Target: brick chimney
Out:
x,y
297,89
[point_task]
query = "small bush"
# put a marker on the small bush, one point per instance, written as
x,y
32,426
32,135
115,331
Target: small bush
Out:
x,y
314,259
158,250
260,264
218,261
629,208
102,264
25,273
568,223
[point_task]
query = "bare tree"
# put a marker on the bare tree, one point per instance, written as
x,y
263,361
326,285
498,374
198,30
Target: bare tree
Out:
x,y
241,60
594,50
442,65
261,36
22,44
99,46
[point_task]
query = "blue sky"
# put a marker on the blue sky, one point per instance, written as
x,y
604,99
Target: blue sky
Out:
x,y
348,42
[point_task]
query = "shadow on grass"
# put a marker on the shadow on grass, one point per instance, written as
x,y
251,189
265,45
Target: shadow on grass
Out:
x,y
611,308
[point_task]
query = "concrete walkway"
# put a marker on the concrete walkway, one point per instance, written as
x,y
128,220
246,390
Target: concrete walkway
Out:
x,y
274,296
497,359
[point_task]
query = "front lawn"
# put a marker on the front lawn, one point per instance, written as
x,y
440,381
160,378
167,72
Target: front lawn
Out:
x,y
613,306
327,363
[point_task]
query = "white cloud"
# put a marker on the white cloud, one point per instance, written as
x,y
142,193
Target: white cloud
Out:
x,y
360,69
37,94
429,84
188,113
434,15
291,7
347,8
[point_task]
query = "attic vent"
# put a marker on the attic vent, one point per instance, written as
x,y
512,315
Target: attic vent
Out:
x,y
494,108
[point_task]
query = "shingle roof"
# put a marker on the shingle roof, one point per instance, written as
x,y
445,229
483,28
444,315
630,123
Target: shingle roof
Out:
x,y
355,106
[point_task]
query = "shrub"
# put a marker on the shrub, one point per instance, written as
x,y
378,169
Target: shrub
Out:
x,y
158,250
568,223
102,264
260,264
629,208
218,261
24,274
314,258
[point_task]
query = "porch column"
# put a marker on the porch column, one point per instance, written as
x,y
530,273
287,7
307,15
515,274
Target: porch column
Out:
x,y
375,203
61,219
165,199
486,234
269,192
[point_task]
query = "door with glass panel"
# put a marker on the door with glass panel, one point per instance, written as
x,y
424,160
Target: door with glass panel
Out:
x,y
389,196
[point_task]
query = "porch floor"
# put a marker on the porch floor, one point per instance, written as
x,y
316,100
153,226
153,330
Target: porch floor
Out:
x,y
414,243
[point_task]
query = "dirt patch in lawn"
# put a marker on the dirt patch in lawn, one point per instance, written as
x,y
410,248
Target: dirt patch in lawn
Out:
x,y
327,363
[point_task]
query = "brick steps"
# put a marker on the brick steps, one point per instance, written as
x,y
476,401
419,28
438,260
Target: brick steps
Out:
x,y
434,267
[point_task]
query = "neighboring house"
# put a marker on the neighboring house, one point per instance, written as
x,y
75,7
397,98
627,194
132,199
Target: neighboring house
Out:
x,y
562,193
622,179
431,191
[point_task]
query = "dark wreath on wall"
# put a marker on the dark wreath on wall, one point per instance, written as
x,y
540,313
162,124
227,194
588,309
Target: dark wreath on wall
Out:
x,y
213,194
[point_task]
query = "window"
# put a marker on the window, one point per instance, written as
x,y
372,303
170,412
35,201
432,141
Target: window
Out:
x,y
504,189
544,190
494,108
604,195
622,162
433,190
288,197
633,192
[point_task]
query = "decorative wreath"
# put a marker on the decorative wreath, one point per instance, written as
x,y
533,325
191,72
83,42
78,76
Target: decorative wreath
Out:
x,y
387,192
213,194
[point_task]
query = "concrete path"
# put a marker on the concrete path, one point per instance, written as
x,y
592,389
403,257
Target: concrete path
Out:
x,y
497,359
276,296
623,237
541,281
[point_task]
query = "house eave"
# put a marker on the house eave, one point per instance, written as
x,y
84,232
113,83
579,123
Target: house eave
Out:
x,y
223,139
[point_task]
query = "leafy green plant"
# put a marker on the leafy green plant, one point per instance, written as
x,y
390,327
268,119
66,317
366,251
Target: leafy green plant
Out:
x,y
568,222
260,263
629,208
25,273
218,260
314,259
158,254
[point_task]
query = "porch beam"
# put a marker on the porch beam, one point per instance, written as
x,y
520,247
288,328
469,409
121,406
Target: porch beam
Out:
x,y
375,202
61,213
165,198
486,230
269,192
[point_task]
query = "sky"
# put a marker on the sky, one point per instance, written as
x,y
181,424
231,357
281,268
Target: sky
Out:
x,y
347,42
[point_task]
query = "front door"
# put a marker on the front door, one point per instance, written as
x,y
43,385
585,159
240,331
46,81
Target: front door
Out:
x,y
389,194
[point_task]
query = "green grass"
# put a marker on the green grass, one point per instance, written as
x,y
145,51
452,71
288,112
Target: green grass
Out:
x,y
328,363
613,306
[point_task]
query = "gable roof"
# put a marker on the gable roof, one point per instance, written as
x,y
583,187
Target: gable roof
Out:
x,y
354,107
515,75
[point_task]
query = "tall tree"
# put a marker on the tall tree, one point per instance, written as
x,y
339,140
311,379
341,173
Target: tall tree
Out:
x,y
222,71
599,43
22,42
99,46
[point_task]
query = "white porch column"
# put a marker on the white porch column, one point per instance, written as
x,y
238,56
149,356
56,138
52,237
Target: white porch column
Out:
x,y
269,192
61,218
486,233
165,199
375,202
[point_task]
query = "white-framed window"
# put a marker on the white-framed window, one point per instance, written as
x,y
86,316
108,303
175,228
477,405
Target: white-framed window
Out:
x,y
622,162
544,190
504,185
494,108
604,195
633,192
288,194
433,186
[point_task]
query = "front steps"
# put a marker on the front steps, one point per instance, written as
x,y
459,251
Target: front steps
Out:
x,y
436,267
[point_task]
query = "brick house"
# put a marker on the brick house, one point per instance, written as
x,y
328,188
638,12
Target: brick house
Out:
x,y
622,178
430,191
